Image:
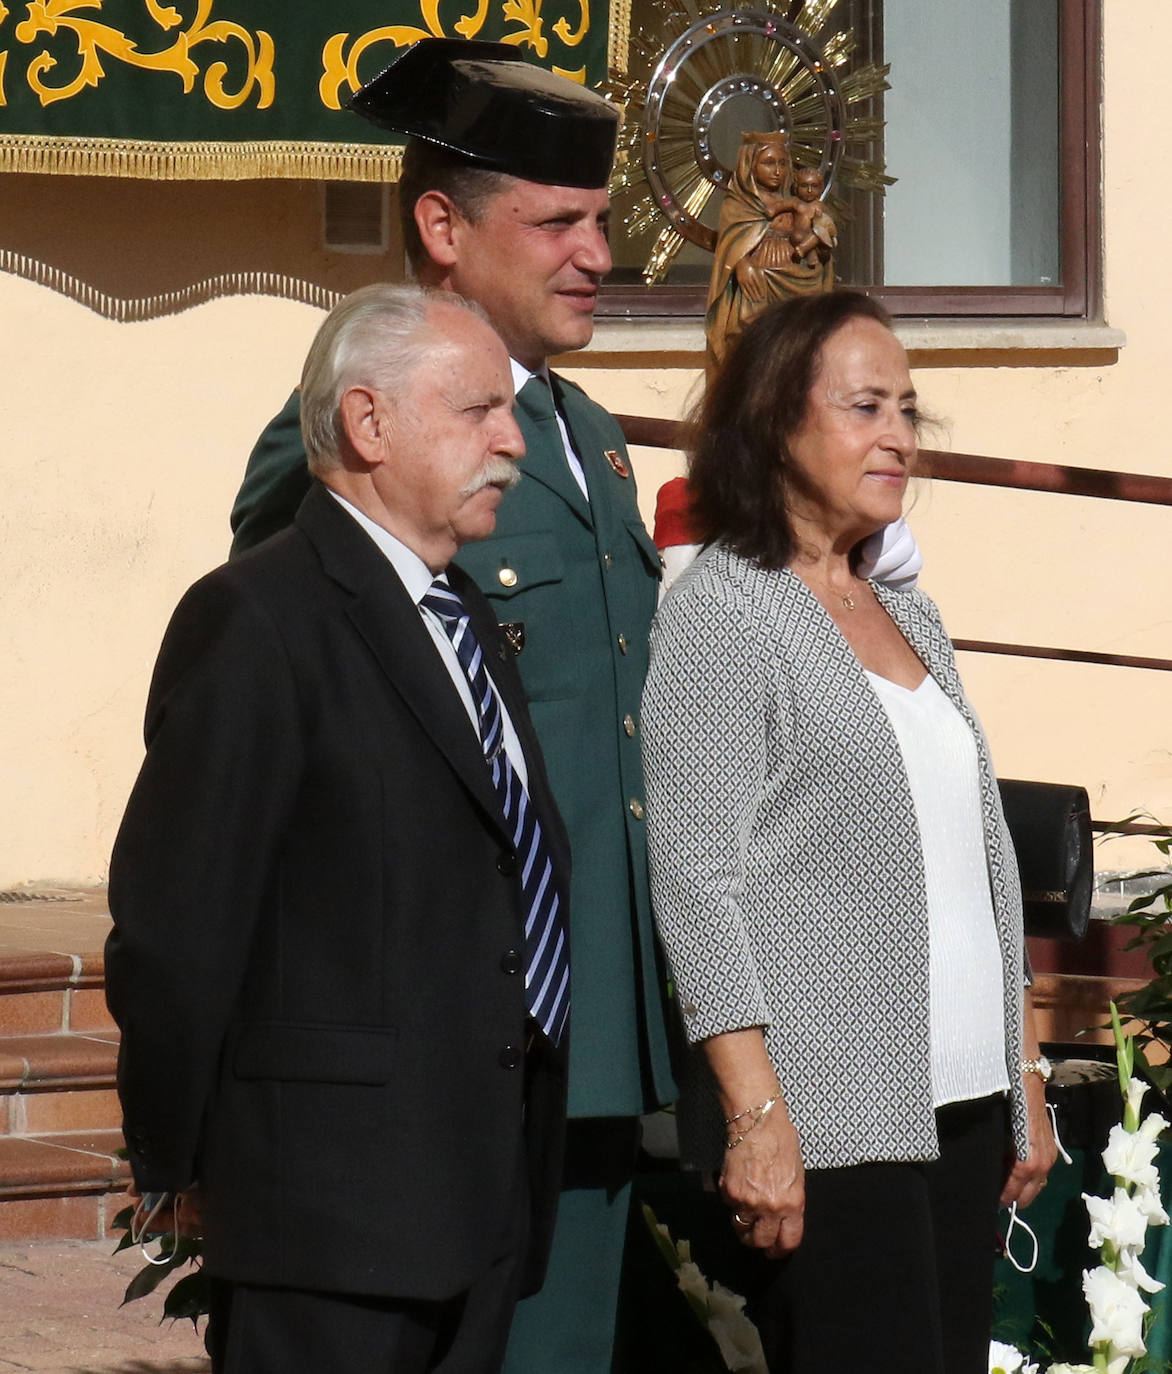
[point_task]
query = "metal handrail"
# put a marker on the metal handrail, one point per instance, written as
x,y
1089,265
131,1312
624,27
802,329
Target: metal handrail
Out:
x,y
987,646
649,432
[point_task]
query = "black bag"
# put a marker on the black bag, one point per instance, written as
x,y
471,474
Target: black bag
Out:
x,y
1051,827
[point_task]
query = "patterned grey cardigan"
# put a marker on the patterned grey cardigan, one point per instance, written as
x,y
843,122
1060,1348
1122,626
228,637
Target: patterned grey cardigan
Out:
x,y
786,865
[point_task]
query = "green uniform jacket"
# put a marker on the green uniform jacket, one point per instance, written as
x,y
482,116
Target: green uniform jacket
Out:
x,y
578,581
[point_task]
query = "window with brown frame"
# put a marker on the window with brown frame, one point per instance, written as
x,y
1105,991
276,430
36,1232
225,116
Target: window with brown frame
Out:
x,y
991,129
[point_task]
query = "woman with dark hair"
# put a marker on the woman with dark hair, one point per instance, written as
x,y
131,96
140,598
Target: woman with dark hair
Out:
x,y
835,885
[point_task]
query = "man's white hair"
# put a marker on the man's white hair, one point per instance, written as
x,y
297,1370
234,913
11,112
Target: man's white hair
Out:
x,y
374,337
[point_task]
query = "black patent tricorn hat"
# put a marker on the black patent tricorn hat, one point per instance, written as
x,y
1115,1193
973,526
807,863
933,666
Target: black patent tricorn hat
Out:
x,y
487,103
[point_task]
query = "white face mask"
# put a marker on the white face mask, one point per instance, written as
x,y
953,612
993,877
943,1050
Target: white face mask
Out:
x,y
1015,1220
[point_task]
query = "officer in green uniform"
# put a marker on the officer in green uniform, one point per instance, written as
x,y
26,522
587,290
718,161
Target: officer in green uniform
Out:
x,y
504,200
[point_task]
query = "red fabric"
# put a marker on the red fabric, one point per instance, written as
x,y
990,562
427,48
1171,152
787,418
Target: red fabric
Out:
x,y
673,520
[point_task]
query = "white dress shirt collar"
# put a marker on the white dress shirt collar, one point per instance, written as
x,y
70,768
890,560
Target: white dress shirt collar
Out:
x,y
521,375
417,578
413,572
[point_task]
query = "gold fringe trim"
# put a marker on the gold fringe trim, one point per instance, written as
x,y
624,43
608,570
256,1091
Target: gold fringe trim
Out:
x,y
116,157
137,309
618,37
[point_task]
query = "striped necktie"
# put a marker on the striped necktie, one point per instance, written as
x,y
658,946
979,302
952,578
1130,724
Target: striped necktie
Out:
x,y
547,954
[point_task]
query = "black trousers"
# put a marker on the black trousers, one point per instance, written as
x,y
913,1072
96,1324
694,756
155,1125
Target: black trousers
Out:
x,y
894,1274
259,1330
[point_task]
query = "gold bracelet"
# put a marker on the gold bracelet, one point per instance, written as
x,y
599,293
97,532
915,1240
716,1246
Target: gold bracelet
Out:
x,y
757,1113
764,1106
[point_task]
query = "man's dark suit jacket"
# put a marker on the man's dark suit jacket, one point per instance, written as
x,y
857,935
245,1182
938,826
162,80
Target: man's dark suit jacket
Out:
x,y
315,960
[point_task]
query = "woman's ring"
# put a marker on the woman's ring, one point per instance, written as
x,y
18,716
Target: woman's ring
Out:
x,y
742,1221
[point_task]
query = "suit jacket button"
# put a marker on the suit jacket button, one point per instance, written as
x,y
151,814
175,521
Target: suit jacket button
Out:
x,y
629,725
635,806
506,863
510,1057
622,644
511,961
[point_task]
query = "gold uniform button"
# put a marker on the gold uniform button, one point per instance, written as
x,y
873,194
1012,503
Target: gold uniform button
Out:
x,y
507,577
636,808
622,644
629,725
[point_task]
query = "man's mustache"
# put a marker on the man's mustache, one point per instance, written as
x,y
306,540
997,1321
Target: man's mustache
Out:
x,y
498,472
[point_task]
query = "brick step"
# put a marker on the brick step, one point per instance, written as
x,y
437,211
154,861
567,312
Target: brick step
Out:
x,y
60,1175
38,1063
61,1162
37,997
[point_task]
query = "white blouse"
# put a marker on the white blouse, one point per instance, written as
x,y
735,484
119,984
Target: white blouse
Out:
x,y
967,1012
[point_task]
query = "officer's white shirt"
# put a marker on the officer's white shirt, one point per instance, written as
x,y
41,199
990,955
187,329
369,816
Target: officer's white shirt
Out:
x,y
521,375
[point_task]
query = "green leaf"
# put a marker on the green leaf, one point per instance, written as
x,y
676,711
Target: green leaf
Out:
x,y
190,1298
148,1279
1150,1003
1161,946
122,1223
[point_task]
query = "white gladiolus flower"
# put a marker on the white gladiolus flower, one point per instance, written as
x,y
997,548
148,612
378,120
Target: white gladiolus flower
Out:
x,y
1149,1203
1136,1088
1118,1366
1117,1312
1008,1359
734,1333
693,1285
1135,1274
1130,1156
1004,1359
1153,1127
1116,1219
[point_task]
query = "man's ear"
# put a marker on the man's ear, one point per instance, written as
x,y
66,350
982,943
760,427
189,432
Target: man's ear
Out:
x,y
366,423
439,223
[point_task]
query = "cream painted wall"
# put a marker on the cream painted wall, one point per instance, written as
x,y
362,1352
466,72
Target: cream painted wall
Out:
x,y
122,449
122,446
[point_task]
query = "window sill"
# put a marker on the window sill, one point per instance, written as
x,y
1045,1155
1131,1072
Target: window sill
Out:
x,y
1021,342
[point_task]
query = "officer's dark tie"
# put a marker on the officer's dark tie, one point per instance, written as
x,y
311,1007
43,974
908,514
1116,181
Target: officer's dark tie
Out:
x,y
547,954
539,399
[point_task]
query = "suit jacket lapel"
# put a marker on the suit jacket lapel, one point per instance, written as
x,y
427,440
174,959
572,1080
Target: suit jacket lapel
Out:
x,y
545,457
390,624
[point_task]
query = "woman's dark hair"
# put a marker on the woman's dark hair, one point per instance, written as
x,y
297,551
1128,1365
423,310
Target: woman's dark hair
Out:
x,y
739,473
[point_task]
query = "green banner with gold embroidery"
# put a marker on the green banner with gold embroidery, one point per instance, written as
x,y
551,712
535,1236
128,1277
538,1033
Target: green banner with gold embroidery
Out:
x,y
245,88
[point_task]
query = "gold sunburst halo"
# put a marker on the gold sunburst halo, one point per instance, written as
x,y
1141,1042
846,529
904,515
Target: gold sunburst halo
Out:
x,y
687,64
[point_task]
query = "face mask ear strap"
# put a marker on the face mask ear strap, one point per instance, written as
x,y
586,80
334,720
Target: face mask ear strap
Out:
x,y
1057,1137
144,1217
1015,1220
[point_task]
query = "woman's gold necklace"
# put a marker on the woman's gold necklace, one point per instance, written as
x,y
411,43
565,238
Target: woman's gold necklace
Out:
x,y
848,601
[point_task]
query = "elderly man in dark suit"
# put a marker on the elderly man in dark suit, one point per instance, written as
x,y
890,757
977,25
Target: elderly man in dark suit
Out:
x,y
504,200
340,956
